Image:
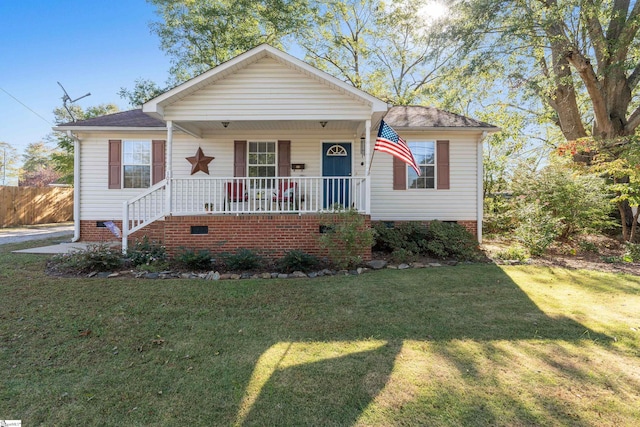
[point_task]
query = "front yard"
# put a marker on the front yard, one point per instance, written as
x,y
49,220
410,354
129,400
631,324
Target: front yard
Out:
x,y
467,345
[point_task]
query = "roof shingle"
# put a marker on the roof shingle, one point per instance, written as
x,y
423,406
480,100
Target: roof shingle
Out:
x,y
132,118
418,116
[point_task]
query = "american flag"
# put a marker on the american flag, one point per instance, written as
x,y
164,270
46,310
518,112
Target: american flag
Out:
x,y
390,142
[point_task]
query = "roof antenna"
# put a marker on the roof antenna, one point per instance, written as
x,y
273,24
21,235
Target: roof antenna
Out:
x,y
66,98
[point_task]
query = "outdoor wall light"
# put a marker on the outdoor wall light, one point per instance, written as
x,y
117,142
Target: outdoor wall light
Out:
x,y
225,124
323,124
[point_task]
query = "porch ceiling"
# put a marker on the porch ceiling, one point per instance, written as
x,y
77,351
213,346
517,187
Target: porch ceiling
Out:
x,y
275,125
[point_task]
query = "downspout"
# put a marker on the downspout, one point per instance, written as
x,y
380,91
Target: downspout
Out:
x,y
480,181
76,186
367,166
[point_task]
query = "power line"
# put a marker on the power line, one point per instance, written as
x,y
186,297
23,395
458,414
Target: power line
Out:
x,y
26,106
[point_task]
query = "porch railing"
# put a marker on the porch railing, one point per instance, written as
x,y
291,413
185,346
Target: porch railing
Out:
x,y
200,196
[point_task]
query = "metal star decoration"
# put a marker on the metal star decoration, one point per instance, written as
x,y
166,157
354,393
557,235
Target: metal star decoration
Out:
x,y
200,162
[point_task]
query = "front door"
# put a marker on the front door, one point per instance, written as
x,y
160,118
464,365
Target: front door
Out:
x,y
336,167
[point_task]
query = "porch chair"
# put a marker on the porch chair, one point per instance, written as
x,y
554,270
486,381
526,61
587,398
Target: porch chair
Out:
x,y
287,193
235,194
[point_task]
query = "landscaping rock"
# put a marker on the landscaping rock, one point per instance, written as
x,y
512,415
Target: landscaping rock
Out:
x,y
403,266
151,275
377,264
235,277
245,276
274,275
435,264
312,275
93,273
212,275
266,275
225,276
452,263
103,274
283,276
361,270
298,275
113,275
417,265
392,267
328,272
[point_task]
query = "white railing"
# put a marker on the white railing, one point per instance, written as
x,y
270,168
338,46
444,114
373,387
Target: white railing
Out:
x,y
197,196
200,196
143,209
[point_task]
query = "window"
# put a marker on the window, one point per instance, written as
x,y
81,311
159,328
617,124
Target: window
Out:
x,y
424,153
262,159
136,164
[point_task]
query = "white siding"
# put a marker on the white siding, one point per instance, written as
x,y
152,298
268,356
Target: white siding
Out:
x,y
100,203
268,90
459,203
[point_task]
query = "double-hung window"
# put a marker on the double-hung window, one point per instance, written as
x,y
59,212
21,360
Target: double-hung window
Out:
x,y
136,164
425,154
262,159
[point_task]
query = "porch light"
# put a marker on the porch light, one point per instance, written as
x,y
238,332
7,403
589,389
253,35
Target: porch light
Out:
x,y
225,124
323,124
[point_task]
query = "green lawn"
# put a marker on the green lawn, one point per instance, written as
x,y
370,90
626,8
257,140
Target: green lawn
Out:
x,y
466,345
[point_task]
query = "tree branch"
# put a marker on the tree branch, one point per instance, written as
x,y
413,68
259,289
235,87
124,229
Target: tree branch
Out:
x,y
633,122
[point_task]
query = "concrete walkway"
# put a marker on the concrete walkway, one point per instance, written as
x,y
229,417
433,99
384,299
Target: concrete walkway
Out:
x,y
41,232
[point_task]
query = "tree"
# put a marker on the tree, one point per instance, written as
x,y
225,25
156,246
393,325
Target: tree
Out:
x,y
579,57
143,90
8,162
38,167
201,34
63,158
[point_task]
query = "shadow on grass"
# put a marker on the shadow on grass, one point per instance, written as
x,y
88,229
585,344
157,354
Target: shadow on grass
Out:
x,y
389,308
310,352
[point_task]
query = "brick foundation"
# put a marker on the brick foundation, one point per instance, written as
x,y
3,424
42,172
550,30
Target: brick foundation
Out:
x,y
270,235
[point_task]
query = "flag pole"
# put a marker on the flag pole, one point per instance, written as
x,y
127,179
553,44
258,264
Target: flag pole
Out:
x,y
371,162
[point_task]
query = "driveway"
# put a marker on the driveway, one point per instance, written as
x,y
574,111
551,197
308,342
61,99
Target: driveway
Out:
x,y
35,232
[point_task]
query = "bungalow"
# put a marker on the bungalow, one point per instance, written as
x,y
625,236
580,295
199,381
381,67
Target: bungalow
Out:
x,y
253,153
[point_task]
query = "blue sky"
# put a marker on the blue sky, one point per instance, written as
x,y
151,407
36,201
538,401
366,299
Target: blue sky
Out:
x,y
95,46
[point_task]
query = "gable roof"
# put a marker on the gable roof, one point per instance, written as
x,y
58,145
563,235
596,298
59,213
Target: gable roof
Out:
x,y
420,117
123,119
155,106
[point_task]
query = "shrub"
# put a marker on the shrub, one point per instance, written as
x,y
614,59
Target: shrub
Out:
x,y
513,253
99,257
410,236
537,227
447,239
193,259
632,252
145,252
243,259
346,239
402,256
296,260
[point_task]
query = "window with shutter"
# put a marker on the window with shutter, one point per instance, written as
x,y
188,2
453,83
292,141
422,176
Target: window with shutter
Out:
x,y
136,163
433,160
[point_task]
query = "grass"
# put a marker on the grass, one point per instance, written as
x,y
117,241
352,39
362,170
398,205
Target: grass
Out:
x,y
466,345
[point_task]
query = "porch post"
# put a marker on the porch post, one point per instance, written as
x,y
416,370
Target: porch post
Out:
x,y
367,166
169,171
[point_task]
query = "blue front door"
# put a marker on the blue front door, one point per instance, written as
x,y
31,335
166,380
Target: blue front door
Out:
x,y
336,166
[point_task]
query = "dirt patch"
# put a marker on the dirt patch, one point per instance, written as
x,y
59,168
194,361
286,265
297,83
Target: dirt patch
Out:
x,y
599,253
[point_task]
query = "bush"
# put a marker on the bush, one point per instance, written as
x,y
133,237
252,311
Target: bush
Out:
x,y
513,253
193,259
632,252
537,227
145,252
410,236
447,239
99,257
296,260
402,256
243,259
346,238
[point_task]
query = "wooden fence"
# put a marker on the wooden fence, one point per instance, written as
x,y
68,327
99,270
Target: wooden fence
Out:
x,y
34,205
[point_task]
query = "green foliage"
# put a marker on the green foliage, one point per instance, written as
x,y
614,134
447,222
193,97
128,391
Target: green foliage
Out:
x,y
513,253
243,259
577,200
99,257
451,240
402,256
632,252
587,246
8,164
537,227
146,252
143,91
193,259
296,260
410,236
346,239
